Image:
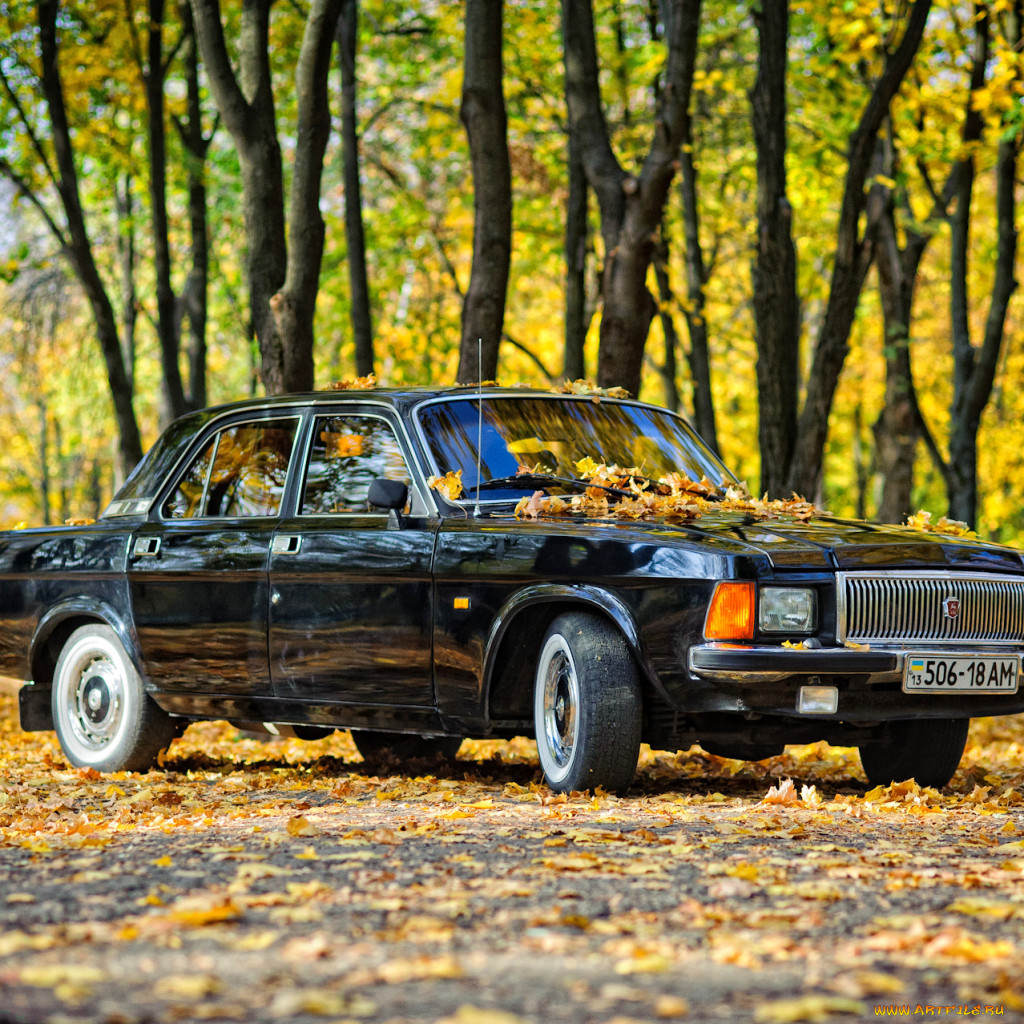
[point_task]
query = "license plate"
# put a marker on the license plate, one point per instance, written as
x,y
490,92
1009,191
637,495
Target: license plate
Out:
x,y
927,674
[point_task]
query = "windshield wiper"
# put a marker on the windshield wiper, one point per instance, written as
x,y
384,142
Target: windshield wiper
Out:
x,y
542,481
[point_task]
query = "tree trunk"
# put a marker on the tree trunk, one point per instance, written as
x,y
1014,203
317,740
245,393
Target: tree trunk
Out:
x,y
174,404
974,369
362,323
246,105
44,462
631,207
294,305
853,254
77,247
776,307
666,303
699,356
576,237
896,429
194,296
126,264
483,114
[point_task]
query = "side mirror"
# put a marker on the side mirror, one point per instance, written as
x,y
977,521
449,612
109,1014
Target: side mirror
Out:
x,y
389,494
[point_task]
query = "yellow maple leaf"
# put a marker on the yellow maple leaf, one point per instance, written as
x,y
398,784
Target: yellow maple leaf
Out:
x,y
482,1015
197,913
301,826
784,794
449,485
53,975
807,1008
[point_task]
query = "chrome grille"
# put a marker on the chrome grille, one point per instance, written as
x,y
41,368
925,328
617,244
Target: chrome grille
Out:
x,y
909,607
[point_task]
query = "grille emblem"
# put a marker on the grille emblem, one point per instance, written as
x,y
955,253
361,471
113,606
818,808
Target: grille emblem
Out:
x,y
951,607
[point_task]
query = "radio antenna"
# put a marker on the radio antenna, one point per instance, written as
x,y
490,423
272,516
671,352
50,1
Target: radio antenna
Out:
x,y
479,417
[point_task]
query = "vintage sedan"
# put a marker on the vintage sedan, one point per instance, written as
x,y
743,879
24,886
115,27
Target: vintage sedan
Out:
x,y
421,566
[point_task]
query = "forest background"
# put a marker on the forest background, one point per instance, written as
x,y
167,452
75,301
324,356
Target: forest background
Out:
x,y
795,223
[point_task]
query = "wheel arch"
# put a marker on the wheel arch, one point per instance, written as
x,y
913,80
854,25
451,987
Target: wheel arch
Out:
x,y
515,638
57,625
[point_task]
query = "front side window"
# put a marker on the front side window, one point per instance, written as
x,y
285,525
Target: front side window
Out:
x,y
241,472
349,452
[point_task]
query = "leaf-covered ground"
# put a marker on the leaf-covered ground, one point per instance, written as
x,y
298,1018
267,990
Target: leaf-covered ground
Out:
x,y
254,882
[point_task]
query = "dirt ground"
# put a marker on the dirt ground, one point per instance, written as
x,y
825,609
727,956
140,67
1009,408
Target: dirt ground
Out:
x,y
256,882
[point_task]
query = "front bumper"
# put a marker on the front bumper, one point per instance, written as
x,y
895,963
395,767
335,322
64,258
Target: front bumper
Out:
x,y
766,680
735,663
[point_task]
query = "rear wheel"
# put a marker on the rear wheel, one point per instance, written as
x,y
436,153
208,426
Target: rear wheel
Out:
x,y
927,750
103,716
587,706
378,746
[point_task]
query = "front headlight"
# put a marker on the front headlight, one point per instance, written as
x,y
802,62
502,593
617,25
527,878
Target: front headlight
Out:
x,y
787,610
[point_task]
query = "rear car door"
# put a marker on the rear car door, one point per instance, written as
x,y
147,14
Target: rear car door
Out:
x,y
198,568
350,585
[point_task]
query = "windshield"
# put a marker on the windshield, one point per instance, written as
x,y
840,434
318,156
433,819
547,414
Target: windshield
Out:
x,y
550,435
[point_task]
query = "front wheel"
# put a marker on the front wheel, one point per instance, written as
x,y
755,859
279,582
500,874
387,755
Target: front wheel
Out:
x,y
103,716
586,706
927,750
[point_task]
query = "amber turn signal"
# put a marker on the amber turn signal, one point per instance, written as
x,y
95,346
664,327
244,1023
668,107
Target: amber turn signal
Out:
x,y
731,613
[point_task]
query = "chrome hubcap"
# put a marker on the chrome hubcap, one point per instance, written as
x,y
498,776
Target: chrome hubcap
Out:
x,y
561,704
96,702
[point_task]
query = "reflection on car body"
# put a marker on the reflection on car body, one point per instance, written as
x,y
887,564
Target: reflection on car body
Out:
x,y
287,561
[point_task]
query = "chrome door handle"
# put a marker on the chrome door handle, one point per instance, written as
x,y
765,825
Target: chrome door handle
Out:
x,y
286,544
146,546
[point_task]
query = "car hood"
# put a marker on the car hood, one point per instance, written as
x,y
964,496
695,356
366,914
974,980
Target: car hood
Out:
x,y
854,544
789,544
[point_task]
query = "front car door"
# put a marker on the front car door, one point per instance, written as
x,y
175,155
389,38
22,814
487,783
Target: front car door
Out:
x,y
198,568
350,585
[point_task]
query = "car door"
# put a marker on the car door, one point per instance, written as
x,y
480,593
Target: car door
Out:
x,y
198,569
350,585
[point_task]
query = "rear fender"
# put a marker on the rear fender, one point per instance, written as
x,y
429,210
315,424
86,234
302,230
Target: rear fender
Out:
x,y
61,621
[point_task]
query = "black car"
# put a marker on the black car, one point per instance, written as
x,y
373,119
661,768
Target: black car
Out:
x,y
420,566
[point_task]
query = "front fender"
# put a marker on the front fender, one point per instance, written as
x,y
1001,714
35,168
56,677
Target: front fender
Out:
x,y
576,595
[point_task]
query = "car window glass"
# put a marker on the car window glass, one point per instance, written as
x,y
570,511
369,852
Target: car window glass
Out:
x,y
347,454
551,435
187,498
241,473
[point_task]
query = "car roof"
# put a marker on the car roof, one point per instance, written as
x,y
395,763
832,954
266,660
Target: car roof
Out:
x,y
400,397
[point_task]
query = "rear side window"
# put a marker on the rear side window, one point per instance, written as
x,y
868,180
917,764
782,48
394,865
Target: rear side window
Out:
x,y
241,472
347,454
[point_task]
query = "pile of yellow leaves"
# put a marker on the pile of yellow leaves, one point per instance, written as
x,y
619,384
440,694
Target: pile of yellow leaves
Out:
x,y
353,384
586,387
674,497
922,520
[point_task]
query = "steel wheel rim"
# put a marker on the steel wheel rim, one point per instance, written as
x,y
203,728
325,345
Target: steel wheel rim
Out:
x,y
561,701
94,699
